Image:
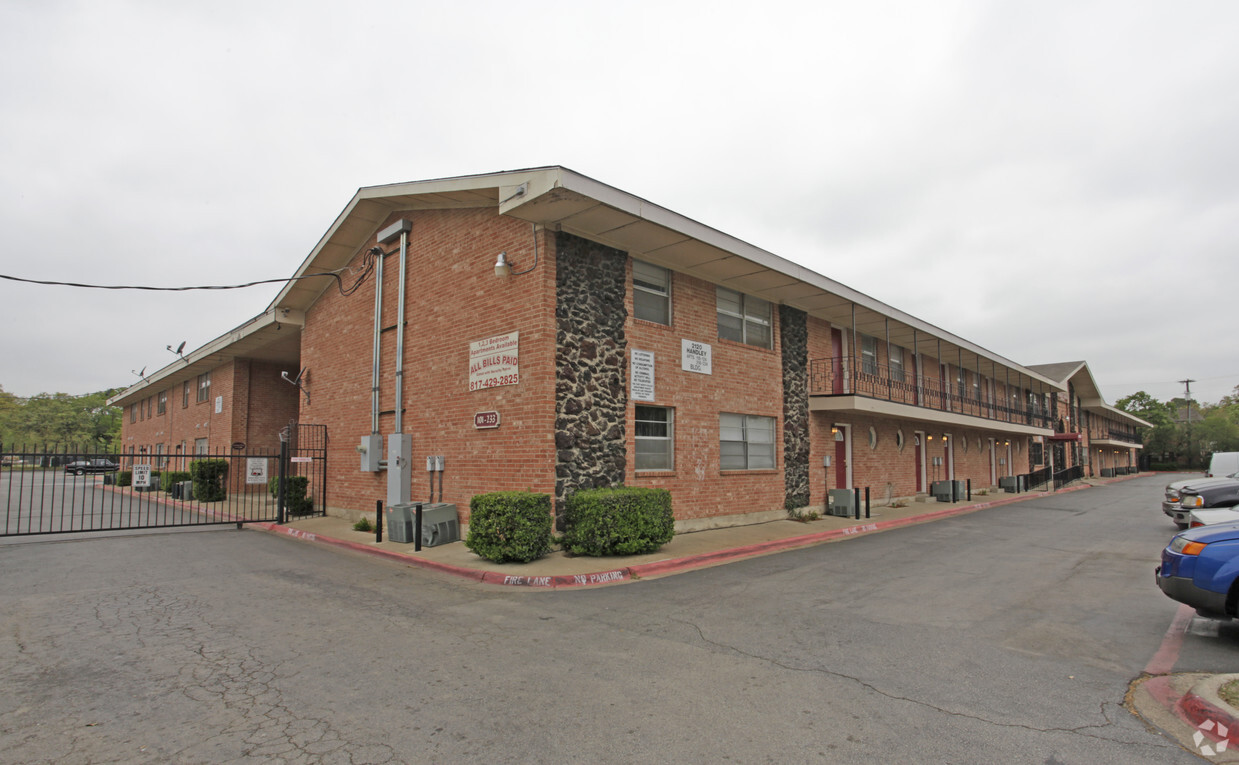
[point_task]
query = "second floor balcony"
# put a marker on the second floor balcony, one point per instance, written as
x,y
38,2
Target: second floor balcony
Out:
x,y
923,398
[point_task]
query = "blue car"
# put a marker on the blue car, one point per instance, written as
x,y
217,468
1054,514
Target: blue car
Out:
x,y
1200,567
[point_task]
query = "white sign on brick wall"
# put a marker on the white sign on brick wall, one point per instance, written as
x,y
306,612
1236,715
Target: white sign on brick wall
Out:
x,y
696,357
494,361
642,376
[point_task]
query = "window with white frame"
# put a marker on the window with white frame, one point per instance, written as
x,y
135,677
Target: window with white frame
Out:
x,y
746,442
204,387
651,292
185,394
743,318
162,406
655,438
868,355
895,353
200,446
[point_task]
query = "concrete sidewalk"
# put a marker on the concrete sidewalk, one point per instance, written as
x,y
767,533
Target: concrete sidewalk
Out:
x,y
685,551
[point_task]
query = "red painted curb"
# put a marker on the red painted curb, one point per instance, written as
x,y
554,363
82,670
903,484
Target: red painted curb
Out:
x,y
1200,712
662,567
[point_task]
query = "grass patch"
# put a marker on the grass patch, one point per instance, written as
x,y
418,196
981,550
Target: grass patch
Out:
x,y
1230,693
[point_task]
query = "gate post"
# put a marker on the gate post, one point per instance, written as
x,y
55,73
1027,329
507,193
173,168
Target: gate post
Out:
x,y
280,481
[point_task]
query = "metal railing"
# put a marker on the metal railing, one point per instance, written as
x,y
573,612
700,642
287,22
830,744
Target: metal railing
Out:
x,y
1067,475
840,377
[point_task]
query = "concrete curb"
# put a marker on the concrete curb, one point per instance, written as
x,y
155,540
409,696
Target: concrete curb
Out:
x,y
1204,708
662,567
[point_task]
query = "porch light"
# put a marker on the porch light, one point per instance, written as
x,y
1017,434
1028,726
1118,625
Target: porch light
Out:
x,y
502,267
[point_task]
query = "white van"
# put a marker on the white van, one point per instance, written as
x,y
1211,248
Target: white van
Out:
x,y
1222,463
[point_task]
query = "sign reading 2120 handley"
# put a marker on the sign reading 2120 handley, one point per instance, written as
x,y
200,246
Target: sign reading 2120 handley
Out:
x,y
494,361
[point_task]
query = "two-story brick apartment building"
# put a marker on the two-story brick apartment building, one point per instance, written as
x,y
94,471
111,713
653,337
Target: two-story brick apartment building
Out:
x,y
540,330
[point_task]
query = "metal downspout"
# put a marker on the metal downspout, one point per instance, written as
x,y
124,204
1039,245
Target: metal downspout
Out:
x,y
404,256
378,327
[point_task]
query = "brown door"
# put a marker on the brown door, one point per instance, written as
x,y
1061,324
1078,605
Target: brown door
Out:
x,y
841,465
920,483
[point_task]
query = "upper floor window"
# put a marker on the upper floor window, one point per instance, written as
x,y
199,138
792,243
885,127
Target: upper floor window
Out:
x,y
133,412
162,406
743,318
204,386
185,394
868,355
651,292
746,442
896,360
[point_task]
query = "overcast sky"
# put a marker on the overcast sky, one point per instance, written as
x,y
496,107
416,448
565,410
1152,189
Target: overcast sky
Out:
x,y
1054,181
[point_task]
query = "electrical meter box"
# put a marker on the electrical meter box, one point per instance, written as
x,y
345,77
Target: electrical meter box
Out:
x,y
371,451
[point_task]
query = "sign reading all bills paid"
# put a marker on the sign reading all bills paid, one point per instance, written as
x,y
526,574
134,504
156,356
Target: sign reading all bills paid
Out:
x,y
494,361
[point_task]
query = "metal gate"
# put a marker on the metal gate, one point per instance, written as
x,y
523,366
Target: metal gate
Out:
x,y
60,492
306,466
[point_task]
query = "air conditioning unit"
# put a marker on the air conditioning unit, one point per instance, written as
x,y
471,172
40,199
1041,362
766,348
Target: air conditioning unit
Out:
x,y
941,490
842,503
1009,483
440,524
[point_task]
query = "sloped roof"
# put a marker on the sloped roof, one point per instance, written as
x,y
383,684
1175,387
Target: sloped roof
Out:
x,y
1081,378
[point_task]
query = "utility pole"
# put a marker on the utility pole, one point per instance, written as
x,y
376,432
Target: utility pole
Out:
x,y
1187,386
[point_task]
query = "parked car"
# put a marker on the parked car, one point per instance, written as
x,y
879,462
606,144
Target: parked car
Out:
x,y
1197,518
1199,567
82,467
1222,463
1172,502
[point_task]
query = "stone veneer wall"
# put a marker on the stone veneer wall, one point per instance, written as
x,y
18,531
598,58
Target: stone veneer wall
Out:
x,y
794,345
590,382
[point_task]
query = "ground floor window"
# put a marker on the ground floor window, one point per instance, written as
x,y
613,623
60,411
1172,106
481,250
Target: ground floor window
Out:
x,y
200,446
655,438
746,442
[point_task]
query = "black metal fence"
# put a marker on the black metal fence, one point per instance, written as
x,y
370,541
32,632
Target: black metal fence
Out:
x,y
68,491
1067,475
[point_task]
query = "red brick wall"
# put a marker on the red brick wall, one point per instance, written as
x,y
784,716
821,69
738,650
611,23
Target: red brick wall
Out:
x,y
453,299
745,380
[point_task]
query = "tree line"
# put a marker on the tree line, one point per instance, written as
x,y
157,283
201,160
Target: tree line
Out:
x,y
1185,432
59,420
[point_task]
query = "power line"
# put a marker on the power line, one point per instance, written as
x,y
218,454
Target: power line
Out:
x,y
366,267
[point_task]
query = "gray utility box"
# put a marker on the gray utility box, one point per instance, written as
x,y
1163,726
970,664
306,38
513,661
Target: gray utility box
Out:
x,y
183,490
1011,483
942,491
400,523
440,524
842,503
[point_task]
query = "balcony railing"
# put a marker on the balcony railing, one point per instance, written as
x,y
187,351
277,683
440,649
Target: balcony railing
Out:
x,y
840,377
1115,434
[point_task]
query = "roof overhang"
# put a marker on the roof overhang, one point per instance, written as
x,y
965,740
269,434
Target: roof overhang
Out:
x,y
1110,442
273,336
562,200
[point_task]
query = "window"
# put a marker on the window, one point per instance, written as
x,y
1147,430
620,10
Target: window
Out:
x,y
148,406
743,318
651,292
162,406
655,438
160,461
133,412
746,442
896,359
868,355
961,382
185,394
204,387
200,446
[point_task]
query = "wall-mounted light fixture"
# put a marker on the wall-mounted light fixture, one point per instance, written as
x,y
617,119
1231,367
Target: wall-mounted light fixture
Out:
x,y
503,266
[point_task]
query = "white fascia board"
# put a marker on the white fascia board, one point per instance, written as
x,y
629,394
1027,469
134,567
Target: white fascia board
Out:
x,y
661,216
212,348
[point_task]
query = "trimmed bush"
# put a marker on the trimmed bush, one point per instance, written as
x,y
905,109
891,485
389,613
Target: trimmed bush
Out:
x,y
619,521
296,493
507,526
208,477
171,477
124,478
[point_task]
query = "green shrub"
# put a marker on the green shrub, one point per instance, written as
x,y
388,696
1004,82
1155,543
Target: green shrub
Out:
x,y
619,521
171,477
124,478
363,525
296,491
208,477
509,526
